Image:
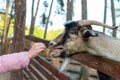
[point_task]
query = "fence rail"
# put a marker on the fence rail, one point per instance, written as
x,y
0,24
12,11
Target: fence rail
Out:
x,y
40,69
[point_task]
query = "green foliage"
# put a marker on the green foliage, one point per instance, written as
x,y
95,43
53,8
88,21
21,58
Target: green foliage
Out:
x,y
10,33
1,23
11,29
44,17
45,4
61,3
39,32
53,33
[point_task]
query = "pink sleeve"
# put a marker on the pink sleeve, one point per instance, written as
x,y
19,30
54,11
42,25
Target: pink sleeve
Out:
x,y
13,61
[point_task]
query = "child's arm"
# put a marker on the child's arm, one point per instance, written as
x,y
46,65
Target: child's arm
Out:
x,y
20,60
13,61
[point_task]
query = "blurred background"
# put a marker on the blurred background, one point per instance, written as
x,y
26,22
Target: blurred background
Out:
x,y
45,18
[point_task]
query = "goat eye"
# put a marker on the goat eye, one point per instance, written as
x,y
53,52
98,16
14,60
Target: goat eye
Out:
x,y
71,32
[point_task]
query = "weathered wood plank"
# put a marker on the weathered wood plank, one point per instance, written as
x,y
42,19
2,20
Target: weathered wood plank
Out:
x,y
101,64
42,70
35,73
27,71
26,76
35,39
52,69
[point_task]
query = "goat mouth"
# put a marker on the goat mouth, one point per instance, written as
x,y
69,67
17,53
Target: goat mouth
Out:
x,y
56,52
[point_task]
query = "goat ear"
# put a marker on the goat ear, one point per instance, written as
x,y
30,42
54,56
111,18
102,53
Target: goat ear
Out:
x,y
89,33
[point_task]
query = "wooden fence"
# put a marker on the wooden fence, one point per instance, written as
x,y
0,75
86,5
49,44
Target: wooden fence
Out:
x,y
40,69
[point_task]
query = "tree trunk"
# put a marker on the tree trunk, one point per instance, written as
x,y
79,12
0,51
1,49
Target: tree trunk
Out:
x,y
4,38
85,72
113,17
69,10
33,17
47,22
105,14
84,9
6,47
19,33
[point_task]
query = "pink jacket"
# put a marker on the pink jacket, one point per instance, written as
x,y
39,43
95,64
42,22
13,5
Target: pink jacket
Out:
x,y
13,61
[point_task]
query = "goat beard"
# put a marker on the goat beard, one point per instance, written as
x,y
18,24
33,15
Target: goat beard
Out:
x,y
66,61
66,57
65,64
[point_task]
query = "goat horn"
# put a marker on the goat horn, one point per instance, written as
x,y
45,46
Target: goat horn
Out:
x,y
83,23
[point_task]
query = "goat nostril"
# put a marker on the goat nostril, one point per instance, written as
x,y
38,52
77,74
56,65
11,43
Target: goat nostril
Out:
x,y
50,44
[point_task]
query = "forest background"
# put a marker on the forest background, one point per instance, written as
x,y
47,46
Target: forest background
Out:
x,y
48,16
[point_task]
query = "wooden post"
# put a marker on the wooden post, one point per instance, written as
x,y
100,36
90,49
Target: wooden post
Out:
x,y
19,33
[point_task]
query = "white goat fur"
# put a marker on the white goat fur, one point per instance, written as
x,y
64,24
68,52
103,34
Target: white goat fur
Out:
x,y
103,45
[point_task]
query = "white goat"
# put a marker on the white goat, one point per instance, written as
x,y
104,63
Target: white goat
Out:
x,y
78,36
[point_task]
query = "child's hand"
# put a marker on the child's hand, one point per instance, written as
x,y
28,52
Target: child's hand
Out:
x,y
36,49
